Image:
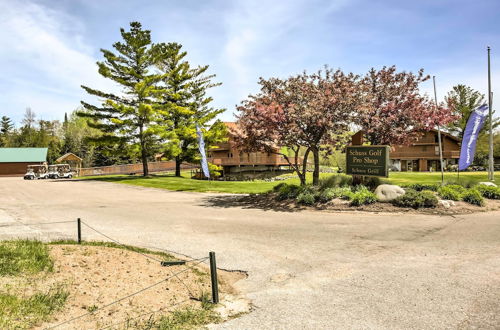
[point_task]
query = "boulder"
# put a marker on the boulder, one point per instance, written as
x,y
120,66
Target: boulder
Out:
x,y
388,192
488,184
446,203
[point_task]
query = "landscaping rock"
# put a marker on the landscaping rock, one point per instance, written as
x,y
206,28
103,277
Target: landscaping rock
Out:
x,y
488,184
388,192
446,203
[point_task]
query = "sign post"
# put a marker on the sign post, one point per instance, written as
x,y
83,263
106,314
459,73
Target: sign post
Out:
x,y
367,160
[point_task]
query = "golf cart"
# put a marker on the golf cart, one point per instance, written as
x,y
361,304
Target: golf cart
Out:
x,y
60,171
35,172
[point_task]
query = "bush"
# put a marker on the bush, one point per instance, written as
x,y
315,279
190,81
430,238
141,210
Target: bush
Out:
x,y
306,198
489,192
416,199
422,186
472,196
288,191
334,181
279,186
372,182
453,192
464,182
362,196
326,195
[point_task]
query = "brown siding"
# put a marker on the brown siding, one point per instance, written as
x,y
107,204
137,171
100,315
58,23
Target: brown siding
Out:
x,y
14,169
425,148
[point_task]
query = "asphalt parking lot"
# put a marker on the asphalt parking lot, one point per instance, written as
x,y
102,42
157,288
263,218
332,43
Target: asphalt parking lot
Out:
x,y
307,269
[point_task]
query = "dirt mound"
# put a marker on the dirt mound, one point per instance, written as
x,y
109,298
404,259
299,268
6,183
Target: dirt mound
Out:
x,y
96,276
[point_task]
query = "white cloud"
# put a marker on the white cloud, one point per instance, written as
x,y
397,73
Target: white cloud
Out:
x,y
255,28
46,55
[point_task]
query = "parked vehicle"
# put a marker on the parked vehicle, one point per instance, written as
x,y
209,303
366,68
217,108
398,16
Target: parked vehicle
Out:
x,y
36,172
60,171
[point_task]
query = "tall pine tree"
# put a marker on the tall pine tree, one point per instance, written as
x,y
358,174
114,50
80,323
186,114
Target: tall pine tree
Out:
x,y
183,104
6,127
130,116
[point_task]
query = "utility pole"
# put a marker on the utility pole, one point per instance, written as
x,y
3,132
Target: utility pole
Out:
x,y
491,170
439,133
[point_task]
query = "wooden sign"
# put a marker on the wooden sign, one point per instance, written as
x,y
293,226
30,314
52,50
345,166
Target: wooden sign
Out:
x,y
367,160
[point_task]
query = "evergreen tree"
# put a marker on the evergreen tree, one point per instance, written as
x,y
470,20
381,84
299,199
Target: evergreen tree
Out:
x,y
463,100
6,128
130,117
183,104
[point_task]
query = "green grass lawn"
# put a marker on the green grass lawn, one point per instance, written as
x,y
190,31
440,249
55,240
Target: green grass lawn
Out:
x,y
184,183
435,177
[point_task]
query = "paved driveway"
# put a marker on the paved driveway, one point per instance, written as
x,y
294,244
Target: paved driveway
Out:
x,y
307,270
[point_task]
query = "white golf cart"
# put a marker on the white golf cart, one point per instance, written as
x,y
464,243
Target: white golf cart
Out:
x,y
60,171
36,172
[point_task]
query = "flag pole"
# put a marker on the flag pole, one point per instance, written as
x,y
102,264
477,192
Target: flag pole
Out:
x,y
439,133
491,175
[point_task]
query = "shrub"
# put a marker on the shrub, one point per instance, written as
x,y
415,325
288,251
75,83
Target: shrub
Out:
x,y
326,195
489,192
288,191
453,192
362,196
463,182
430,199
422,186
472,196
372,182
343,192
306,198
279,186
416,199
334,181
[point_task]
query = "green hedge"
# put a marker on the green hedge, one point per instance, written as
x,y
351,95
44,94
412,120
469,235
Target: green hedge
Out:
x,y
306,198
422,186
362,196
416,199
287,191
473,196
452,192
489,192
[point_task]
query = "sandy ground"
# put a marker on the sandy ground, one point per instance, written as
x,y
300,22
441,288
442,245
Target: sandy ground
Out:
x,y
307,269
96,276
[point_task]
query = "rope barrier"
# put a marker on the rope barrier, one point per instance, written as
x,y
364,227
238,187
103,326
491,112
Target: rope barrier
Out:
x,y
143,254
34,223
145,314
126,297
119,243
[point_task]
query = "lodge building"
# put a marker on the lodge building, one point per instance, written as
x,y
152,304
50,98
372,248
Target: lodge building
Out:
x,y
423,154
244,165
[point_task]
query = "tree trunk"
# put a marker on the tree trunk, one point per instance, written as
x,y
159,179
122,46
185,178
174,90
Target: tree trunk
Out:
x,y
178,163
316,166
144,156
304,167
145,169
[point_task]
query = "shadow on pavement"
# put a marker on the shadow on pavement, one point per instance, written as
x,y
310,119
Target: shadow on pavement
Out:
x,y
262,202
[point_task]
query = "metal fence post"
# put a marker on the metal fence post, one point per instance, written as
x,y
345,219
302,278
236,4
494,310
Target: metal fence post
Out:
x,y
213,276
79,226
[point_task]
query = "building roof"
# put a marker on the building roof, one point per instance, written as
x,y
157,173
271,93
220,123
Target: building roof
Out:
x,y
453,137
68,156
23,155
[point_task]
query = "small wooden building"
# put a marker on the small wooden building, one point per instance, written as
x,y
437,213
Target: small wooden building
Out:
x,y
14,161
73,160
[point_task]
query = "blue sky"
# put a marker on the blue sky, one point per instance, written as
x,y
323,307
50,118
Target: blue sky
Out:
x,y
49,48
